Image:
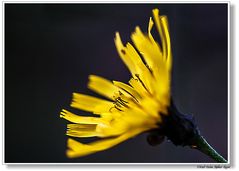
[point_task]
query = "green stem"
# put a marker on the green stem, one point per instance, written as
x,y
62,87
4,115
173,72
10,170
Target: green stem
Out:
x,y
202,145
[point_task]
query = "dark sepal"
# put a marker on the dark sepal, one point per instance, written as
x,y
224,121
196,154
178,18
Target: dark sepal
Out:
x,y
179,128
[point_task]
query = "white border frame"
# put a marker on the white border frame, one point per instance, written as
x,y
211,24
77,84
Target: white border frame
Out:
x,y
229,105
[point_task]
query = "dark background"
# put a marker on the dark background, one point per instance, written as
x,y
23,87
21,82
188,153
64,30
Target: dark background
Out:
x,y
51,49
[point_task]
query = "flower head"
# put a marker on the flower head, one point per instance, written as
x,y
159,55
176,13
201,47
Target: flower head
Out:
x,y
131,108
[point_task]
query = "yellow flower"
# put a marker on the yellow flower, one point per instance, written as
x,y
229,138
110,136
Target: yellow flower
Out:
x,y
131,108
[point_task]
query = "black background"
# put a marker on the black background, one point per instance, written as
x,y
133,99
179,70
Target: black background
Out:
x,y
50,49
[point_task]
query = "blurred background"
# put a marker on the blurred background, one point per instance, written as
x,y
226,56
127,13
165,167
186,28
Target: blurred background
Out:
x,y
50,49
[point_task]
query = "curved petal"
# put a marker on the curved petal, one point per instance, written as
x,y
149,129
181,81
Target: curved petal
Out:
x,y
128,89
77,149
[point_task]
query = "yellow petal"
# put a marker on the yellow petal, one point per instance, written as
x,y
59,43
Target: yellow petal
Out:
x,y
102,86
152,56
164,22
138,87
80,119
150,51
137,117
165,77
90,103
162,26
116,127
128,89
122,51
77,149
141,70
81,126
160,30
150,26
133,61
82,134
151,107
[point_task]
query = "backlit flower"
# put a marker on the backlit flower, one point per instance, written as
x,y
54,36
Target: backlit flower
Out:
x,y
131,108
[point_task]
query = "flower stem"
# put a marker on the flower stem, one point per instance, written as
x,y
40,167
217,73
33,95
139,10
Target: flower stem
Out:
x,y
202,145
